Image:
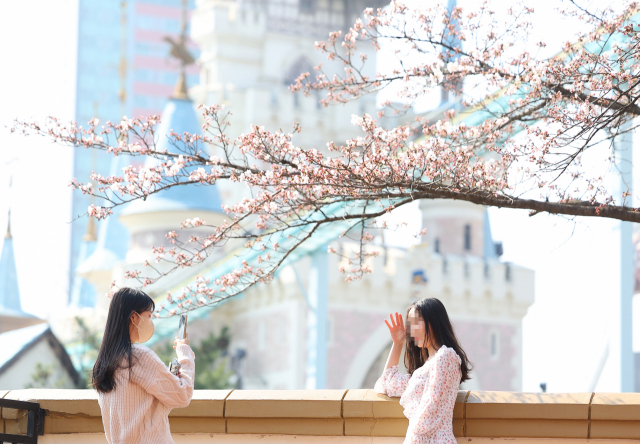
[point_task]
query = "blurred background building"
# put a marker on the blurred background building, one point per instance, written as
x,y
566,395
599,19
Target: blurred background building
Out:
x,y
30,354
124,68
130,56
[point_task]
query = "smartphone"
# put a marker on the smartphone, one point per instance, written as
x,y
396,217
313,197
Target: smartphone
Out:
x,y
174,366
182,327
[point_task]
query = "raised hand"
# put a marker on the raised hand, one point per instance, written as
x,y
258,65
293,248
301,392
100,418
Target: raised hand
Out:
x,y
182,341
396,329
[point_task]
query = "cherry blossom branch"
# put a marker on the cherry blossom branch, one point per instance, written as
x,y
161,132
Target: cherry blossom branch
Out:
x,y
577,101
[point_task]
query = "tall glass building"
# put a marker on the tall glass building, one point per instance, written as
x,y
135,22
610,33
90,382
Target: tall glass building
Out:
x,y
124,68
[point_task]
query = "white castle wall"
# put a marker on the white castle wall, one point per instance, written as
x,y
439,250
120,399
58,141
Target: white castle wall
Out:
x,y
248,67
269,321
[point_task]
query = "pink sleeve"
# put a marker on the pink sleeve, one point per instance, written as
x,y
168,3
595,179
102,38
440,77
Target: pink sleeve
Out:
x,y
439,394
392,382
154,376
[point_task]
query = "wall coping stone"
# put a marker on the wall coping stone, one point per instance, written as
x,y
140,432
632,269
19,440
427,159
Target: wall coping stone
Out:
x,y
353,413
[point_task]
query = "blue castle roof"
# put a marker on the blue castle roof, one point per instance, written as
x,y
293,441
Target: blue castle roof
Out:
x,y
9,290
178,115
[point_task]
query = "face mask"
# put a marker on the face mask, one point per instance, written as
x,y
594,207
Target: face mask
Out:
x,y
145,329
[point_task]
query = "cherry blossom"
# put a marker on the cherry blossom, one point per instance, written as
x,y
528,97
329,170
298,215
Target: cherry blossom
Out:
x,y
574,103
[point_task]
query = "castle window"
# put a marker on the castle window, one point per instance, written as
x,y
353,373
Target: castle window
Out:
x,y
494,344
467,237
445,266
300,66
436,246
507,272
466,269
486,270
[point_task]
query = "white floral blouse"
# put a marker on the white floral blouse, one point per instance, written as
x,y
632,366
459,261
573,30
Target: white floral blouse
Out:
x,y
428,397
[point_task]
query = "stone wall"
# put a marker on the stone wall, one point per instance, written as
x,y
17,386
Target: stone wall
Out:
x,y
353,416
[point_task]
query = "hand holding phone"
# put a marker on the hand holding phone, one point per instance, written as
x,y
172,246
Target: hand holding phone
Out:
x,y
182,338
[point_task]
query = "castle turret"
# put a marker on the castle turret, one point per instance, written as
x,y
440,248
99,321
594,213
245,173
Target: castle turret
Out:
x,y
252,51
11,315
149,221
456,227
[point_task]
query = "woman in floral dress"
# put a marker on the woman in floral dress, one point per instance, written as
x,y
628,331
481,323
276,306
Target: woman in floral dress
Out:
x,y
437,366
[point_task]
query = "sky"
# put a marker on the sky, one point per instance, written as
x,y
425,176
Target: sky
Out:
x,y
564,332
37,79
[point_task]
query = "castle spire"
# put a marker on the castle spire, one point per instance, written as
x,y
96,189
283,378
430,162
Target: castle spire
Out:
x,y
8,235
180,91
181,53
9,290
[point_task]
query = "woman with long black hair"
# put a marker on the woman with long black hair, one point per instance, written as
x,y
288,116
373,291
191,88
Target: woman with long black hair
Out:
x,y
136,391
437,366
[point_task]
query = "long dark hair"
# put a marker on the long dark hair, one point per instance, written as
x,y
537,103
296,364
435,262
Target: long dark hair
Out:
x,y
435,315
116,342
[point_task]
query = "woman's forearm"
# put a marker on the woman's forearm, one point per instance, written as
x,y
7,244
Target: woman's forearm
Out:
x,y
394,355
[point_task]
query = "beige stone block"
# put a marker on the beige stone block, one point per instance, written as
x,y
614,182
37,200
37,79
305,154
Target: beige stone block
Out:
x,y
528,405
216,438
616,406
458,427
18,426
369,404
376,427
60,425
82,402
458,409
475,440
3,393
286,426
73,438
204,403
284,404
527,428
197,425
615,429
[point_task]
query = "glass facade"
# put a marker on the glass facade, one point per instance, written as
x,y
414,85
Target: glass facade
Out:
x,y
124,68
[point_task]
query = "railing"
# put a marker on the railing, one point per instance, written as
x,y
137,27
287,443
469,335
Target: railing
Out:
x,y
71,415
35,421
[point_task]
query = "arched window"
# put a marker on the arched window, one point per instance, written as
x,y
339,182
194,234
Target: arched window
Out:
x,y
494,344
467,237
298,67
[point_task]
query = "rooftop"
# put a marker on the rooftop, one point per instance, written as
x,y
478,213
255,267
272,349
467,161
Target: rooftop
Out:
x,y
14,341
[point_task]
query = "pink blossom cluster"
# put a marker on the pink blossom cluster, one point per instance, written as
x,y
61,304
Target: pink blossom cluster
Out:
x,y
575,102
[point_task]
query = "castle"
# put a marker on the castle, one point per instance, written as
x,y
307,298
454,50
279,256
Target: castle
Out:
x,y
250,52
308,328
